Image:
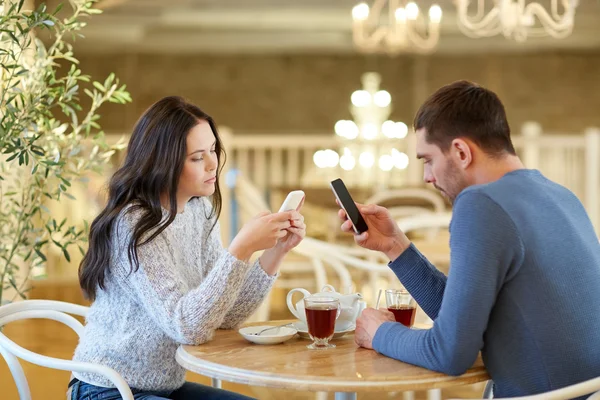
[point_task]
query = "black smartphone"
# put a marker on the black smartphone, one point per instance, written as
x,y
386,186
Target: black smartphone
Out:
x,y
346,202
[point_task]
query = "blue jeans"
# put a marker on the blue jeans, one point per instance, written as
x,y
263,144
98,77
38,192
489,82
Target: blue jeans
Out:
x,y
189,391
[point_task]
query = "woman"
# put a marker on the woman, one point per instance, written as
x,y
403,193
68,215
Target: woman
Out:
x,y
155,267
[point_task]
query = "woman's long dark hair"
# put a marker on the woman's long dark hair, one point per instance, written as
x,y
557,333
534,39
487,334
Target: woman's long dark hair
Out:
x,y
155,158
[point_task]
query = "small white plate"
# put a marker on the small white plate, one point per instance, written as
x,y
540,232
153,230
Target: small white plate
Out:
x,y
273,336
303,331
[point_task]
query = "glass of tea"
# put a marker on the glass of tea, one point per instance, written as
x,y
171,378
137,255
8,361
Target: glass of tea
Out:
x,y
402,305
321,313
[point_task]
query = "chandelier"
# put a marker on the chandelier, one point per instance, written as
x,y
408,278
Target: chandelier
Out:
x,y
517,20
370,137
407,29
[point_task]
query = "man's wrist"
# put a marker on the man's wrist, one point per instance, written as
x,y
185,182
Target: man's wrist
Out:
x,y
396,249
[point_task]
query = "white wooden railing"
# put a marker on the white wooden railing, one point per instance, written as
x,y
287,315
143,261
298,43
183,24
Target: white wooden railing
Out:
x,y
286,160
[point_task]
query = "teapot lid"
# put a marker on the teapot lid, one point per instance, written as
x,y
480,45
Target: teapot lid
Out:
x,y
329,291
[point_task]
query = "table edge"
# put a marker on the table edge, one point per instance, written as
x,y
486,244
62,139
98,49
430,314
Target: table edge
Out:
x,y
237,375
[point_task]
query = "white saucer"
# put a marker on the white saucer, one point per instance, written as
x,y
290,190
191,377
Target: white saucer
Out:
x,y
273,336
303,330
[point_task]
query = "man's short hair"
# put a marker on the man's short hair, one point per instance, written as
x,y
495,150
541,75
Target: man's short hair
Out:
x,y
465,109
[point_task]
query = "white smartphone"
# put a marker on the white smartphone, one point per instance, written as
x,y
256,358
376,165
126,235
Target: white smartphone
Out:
x,y
292,201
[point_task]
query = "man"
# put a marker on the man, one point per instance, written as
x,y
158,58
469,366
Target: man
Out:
x,y
524,281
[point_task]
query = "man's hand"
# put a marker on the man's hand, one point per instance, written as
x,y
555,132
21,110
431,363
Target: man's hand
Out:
x,y
383,234
367,324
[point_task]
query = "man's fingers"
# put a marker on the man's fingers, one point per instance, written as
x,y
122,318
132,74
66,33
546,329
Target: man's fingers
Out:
x,y
347,226
367,210
361,238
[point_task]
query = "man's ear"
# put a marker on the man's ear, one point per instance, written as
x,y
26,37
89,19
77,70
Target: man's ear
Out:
x,y
461,152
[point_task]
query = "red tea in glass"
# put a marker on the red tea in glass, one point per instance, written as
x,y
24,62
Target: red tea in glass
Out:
x,y
402,305
405,314
321,321
321,313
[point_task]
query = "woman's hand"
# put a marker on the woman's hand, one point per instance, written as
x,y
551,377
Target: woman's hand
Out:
x,y
262,232
271,259
295,234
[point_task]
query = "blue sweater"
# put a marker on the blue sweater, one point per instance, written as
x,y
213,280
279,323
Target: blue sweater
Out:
x,y
523,288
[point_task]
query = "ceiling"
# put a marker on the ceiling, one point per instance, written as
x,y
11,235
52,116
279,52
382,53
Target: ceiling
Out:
x,y
283,26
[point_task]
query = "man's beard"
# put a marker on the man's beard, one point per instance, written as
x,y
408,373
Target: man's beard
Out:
x,y
455,183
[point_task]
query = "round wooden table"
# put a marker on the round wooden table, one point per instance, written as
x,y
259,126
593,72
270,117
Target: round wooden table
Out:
x,y
345,369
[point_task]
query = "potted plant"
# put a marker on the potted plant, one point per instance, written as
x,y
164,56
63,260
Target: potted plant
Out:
x,y
48,139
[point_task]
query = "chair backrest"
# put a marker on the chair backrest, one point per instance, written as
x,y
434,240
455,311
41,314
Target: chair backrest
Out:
x,y
57,311
423,196
249,197
343,259
424,221
566,393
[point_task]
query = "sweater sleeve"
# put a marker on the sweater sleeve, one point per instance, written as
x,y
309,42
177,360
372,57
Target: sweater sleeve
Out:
x,y
425,283
187,315
485,251
256,283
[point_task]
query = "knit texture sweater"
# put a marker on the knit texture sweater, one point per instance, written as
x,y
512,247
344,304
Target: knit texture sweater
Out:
x,y
522,289
186,287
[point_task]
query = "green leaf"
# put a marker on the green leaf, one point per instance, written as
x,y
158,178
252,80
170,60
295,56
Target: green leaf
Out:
x,y
40,254
98,86
66,253
58,8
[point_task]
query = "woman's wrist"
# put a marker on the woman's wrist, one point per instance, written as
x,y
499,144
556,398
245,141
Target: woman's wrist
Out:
x,y
271,259
240,251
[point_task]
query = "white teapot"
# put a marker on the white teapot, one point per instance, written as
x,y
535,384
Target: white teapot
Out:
x,y
351,305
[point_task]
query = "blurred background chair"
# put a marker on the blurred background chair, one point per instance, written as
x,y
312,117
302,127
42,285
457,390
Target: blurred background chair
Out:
x,y
590,387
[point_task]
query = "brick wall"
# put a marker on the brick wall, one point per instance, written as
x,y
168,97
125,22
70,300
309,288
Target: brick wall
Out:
x,y
308,93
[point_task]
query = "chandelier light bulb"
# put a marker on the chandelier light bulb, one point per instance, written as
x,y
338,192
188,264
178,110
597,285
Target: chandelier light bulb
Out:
x,y
331,158
400,14
347,162
435,14
400,159
339,128
366,159
388,128
351,130
412,11
361,98
401,130
382,98
386,162
320,159
360,12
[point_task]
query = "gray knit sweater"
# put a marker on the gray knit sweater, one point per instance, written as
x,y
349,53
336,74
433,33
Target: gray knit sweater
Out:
x,y
187,286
